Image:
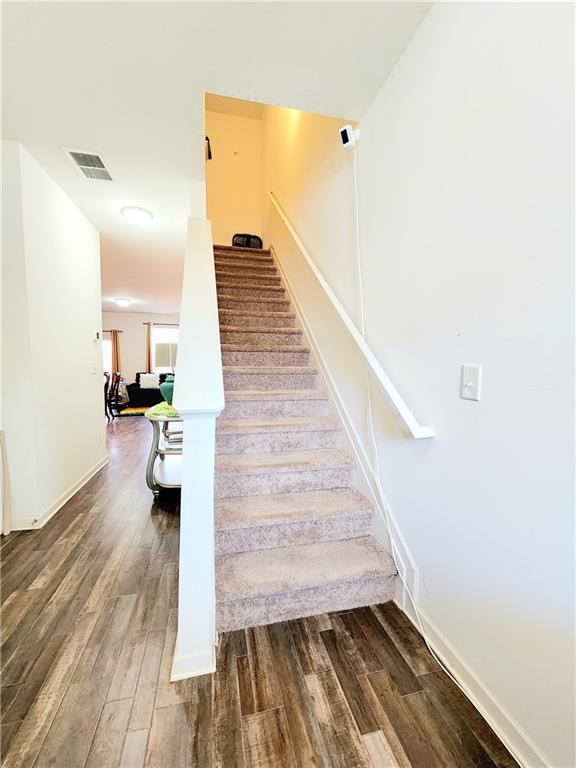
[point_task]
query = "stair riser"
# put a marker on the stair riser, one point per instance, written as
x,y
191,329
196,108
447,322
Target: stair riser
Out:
x,y
269,321
231,252
272,536
245,267
255,381
264,358
256,264
223,278
260,338
256,611
269,409
226,301
250,291
229,485
264,442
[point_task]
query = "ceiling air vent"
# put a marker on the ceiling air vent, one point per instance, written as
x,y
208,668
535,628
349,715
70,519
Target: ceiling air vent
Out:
x,y
89,164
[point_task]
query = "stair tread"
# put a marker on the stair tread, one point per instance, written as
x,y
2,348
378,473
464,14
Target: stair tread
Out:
x,y
246,286
283,461
264,369
260,267
290,569
223,271
244,347
252,300
237,249
224,279
259,329
284,394
256,313
283,424
285,508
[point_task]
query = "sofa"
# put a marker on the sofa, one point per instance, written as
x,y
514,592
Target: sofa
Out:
x,y
140,397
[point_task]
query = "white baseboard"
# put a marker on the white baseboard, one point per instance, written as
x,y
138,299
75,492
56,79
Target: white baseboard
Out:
x,y
510,733
185,665
43,518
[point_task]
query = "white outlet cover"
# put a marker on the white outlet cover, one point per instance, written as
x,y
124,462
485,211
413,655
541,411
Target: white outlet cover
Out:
x,y
471,382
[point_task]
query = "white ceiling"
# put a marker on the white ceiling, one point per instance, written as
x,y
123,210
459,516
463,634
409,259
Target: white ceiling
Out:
x,y
128,80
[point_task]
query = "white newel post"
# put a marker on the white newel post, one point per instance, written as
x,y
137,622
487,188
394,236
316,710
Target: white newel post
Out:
x,y
199,398
194,652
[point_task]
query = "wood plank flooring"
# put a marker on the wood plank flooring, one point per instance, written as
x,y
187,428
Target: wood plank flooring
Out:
x,y
88,627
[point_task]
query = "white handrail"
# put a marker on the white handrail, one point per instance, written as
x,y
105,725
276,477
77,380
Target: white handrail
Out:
x,y
416,430
199,398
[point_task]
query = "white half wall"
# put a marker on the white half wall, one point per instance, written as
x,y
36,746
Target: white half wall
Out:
x,y
133,337
53,410
466,220
234,176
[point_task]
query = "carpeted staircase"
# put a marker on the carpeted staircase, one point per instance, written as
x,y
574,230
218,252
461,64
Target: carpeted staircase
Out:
x,y
292,533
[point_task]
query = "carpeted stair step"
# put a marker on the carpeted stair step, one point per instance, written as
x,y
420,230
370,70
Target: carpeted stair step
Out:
x,y
284,434
234,251
263,522
224,277
251,474
260,335
243,303
247,291
244,377
238,319
270,405
270,585
265,355
245,267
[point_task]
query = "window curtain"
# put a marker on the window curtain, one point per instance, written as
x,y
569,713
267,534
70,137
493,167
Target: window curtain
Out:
x,y
148,347
116,363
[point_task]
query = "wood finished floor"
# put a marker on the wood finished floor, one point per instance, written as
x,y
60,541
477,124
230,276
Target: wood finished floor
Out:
x,y
88,628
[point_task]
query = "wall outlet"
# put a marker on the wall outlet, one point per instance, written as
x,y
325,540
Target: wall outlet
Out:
x,y
471,382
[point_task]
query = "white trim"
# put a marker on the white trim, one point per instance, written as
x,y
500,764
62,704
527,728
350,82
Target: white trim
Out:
x,y
66,496
402,553
508,730
185,665
417,431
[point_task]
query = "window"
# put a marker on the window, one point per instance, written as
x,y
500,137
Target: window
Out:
x,y
107,355
164,348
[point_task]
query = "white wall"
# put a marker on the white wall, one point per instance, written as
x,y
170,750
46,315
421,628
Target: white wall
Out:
x,y
466,201
133,337
52,404
234,176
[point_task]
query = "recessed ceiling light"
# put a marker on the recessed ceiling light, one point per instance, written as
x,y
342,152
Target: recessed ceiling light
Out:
x,y
122,302
139,217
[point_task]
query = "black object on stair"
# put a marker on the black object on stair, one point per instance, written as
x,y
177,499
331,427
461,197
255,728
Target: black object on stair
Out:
x,y
247,241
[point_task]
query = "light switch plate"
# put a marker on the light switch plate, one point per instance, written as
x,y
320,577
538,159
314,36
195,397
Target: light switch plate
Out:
x,y
471,382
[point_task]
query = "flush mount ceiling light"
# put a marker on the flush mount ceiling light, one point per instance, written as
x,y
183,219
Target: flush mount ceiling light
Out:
x,y
139,217
123,302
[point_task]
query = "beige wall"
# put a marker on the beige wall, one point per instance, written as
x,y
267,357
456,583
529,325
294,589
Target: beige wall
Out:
x,y
52,393
313,178
234,176
133,337
466,208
